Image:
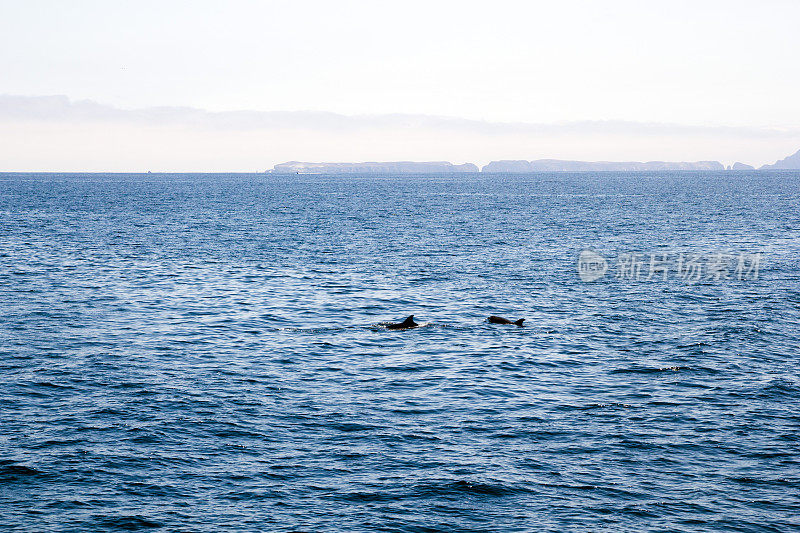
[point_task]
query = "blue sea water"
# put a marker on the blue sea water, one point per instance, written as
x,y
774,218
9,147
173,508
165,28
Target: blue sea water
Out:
x,y
204,353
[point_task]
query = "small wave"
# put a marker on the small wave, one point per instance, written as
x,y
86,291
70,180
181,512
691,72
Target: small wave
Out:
x,y
663,369
237,433
149,490
349,427
361,496
639,511
293,329
127,523
410,368
783,482
51,385
694,345
640,445
15,472
468,487
416,411
54,443
778,388
455,489
647,370
604,489
598,406
68,505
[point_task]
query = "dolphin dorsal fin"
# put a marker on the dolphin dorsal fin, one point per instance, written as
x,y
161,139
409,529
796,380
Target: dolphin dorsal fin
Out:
x,y
519,322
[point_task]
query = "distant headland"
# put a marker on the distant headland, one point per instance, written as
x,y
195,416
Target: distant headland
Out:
x,y
509,166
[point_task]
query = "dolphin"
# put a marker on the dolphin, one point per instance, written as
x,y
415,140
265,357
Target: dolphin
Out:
x,y
408,323
500,320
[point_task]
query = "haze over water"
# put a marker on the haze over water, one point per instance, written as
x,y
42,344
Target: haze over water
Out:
x,y
202,353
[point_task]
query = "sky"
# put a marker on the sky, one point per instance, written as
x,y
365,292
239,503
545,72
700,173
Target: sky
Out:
x,y
704,79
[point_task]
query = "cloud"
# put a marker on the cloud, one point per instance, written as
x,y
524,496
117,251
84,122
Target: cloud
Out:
x,y
62,109
44,133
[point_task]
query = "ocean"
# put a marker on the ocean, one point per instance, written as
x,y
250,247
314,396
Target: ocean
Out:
x,y
205,352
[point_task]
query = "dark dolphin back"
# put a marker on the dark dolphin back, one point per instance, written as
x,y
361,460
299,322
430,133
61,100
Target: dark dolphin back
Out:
x,y
405,324
500,320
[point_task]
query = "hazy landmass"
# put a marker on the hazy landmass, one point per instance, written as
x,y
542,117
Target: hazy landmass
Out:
x,y
557,165
788,163
392,167
519,165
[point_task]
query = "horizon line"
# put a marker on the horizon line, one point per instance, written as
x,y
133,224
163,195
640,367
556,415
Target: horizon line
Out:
x,y
354,174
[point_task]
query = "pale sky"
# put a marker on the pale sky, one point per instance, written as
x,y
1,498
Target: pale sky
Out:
x,y
703,63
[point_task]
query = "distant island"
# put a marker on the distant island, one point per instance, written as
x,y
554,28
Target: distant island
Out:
x,y
789,163
510,165
558,165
